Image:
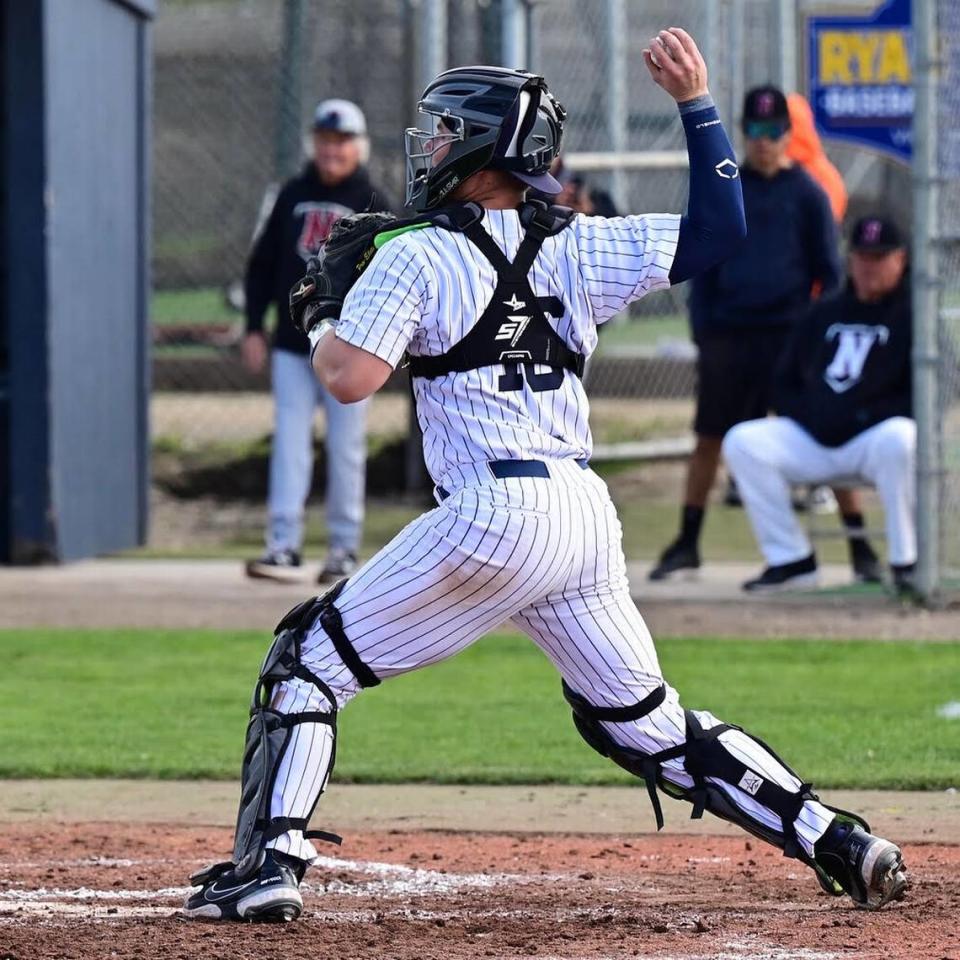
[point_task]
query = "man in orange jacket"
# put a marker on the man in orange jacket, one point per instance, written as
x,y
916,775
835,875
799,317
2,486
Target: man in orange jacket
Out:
x,y
806,149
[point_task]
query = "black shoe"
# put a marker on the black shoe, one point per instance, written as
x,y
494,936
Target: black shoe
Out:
x,y
339,564
270,894
732,497
867,868
678,556
785,576
865,563
904,582
281,565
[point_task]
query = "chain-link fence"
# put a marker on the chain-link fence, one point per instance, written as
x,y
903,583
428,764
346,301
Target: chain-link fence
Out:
x,y
236,81
937,366
949,102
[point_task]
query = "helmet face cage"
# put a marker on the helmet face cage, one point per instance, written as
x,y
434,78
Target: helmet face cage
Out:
x,y
427,152
479,117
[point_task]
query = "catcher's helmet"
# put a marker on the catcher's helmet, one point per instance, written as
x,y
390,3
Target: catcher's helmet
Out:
x,y
482,117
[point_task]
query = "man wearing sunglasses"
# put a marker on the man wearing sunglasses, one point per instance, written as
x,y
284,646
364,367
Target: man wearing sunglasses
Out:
x,y
742,310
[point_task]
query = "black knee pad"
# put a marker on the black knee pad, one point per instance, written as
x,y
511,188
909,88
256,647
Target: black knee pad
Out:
x,y
704,757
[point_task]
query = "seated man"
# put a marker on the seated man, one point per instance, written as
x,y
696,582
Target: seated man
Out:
x,y
843,395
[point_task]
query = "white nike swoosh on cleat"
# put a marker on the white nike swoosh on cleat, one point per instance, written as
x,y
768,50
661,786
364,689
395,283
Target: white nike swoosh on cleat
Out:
x,y
213,895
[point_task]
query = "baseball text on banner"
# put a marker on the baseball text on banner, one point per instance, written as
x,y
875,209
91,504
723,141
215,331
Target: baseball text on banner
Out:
x,y
860,74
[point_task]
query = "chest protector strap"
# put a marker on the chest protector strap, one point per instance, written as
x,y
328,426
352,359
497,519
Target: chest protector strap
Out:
x,y
514,328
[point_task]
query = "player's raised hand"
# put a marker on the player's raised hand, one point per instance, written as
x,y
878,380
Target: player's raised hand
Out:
x,y
676,64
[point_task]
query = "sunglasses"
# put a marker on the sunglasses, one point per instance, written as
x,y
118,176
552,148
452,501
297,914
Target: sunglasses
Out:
x,y
771,129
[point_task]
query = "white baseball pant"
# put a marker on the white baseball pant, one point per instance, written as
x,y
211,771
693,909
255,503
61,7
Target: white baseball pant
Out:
x,y
767,456
544,554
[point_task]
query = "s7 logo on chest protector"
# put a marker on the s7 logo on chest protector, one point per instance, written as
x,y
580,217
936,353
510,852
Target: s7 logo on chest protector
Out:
x,y
512,328
854,343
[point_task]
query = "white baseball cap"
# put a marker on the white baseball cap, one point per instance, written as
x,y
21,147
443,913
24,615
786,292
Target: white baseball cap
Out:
x,y
342,116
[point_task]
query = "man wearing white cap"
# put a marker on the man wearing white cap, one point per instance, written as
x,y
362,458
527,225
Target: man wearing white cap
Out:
x,y
333,184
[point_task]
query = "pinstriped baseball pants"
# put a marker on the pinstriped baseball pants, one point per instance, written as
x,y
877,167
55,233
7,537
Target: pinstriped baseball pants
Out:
x,y
544,554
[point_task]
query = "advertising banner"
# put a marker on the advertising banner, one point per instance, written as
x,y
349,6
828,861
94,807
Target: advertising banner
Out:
x,y
860,71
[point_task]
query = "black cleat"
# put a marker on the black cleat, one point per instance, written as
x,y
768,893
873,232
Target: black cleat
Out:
x,y
678,556
270,894
866,570
786,576
868,869
904,583
281,565
865,563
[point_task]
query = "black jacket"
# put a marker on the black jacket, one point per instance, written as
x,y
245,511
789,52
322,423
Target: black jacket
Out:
x,y
847,367
301,220
767,281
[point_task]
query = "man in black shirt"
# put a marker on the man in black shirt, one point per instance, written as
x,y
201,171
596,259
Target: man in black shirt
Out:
x,y
844,398
742,311
333,184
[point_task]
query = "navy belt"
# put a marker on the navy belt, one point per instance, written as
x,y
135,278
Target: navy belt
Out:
x,y
503,469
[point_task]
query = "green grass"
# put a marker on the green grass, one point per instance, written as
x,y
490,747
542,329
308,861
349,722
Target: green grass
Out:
x,y
648,526
207,305
204,305
384,520
643,332
173,704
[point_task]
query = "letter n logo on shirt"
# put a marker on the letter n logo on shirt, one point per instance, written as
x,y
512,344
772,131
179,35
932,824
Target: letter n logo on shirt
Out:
x,y
854,343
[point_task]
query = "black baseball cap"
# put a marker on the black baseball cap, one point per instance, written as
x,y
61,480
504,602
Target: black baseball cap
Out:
x,y
876,234
765,113
765,103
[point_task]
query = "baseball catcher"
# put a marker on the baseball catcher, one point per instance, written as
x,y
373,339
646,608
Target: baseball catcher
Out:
x,y
494,302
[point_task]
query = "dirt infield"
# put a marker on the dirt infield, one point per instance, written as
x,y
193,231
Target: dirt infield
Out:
x,y
113,890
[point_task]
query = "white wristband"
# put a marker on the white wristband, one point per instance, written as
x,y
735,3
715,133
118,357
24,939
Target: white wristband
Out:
x,y
317,333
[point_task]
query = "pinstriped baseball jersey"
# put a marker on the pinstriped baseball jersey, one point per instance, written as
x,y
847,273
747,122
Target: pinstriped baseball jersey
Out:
x,y
426,289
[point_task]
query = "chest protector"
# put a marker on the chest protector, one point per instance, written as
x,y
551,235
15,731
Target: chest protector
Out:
x,y
514,329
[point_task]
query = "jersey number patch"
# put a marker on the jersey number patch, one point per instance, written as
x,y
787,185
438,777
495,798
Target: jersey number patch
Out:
x,y
512,377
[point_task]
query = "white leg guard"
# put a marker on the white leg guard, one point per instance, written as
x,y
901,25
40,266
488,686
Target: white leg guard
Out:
x,y
717,770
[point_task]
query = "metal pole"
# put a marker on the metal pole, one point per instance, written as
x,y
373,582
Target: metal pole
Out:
x,y
787,34
737,88
435,61
287,144
926,305
430,35
533,35
712,48
617,109
431,40
513,29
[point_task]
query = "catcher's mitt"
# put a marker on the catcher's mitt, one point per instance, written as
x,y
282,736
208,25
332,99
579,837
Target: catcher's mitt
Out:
x,y
346,254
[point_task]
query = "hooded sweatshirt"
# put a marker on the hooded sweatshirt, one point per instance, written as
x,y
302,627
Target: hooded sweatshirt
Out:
x,y
299,224
847,368
767,281
806,149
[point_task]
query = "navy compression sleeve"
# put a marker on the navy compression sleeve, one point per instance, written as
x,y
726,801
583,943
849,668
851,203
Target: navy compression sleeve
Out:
x,y
714,222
